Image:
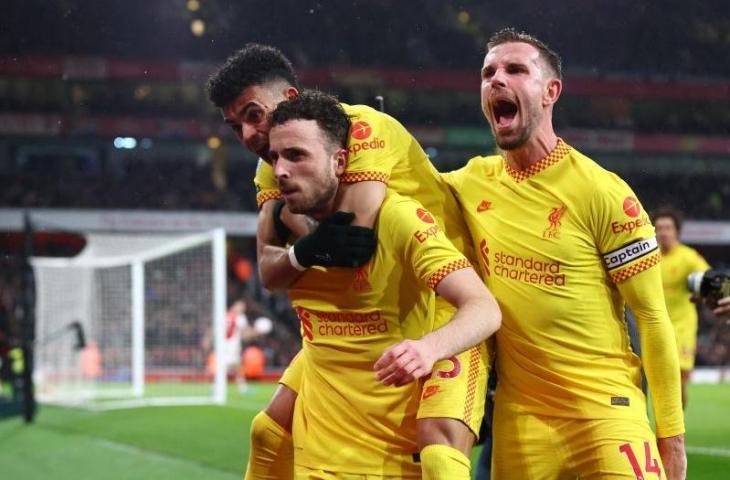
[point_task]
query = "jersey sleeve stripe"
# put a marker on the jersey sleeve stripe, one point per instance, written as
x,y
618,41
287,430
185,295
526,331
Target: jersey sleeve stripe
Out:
x,y
263,197
638,267
471,385
442,272
355,177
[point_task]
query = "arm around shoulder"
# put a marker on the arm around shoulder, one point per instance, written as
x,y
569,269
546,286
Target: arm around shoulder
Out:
x,y
275,269
477,317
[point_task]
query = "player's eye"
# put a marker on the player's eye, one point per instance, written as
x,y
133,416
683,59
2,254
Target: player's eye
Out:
x,y
254,116
295,155
487,73
516,69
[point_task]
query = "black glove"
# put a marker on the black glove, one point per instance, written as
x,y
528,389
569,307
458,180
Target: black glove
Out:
x,y
336,243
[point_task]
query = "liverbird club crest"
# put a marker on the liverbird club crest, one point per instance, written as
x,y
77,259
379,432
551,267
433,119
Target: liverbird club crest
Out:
x,y
553,230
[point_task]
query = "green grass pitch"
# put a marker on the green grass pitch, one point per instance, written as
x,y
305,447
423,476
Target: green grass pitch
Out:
x,y
180,443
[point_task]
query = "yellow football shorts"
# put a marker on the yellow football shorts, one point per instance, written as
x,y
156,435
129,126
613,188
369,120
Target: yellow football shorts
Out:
x,y
457,388
539,447
292,376
686,336
304,473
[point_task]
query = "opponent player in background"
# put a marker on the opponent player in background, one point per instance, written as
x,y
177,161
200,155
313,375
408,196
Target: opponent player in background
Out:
x,y
380,151
348,421
678,262
563,244
237,328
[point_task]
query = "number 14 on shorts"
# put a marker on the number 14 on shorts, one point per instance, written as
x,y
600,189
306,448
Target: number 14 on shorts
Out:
x,y
651,465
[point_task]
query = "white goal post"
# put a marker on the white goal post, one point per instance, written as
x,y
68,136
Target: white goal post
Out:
x,y
133,320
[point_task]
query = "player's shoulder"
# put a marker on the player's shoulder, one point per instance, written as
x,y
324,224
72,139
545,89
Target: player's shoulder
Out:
x,y
395,203
587,168
377,128
404,223
363,113
594,178
398,211
687,251
481,167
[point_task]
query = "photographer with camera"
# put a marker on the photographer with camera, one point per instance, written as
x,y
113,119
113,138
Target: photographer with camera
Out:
x,y
687,280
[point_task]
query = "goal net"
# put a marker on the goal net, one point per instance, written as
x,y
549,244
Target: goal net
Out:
x,y
132,320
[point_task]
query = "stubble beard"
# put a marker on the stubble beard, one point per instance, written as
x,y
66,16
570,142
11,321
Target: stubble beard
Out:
x,y
323,193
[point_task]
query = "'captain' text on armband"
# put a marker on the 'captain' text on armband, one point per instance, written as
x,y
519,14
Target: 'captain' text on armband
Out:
x,y
628,253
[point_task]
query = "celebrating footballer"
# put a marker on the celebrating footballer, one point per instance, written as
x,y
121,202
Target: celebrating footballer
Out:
x,y
380,255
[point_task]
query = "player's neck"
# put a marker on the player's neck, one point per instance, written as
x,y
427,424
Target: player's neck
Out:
x,y
538,147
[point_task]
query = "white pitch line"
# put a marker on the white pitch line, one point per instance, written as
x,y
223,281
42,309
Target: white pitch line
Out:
x,y
709,451
208,470
130,404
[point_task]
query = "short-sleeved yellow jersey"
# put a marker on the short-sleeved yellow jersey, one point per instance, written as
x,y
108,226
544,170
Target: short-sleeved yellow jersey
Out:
x,y
676,266
554,240
345,420
381,149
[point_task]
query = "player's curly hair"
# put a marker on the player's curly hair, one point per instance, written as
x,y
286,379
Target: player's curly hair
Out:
x,y
254,64
318,106
668,212
509,35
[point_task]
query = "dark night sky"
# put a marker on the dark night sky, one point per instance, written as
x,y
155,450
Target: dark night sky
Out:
x,y
670,37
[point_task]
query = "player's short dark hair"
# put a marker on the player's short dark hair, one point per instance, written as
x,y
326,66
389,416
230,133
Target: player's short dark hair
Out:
x,y
320,107
668,212
510,35
254,64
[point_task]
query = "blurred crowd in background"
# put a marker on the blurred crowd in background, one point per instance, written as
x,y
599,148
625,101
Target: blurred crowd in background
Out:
x,y
113,114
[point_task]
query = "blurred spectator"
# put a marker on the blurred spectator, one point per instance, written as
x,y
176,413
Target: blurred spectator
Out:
x,y
185,186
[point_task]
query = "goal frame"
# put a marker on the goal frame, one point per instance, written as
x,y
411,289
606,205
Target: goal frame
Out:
x,y
137,261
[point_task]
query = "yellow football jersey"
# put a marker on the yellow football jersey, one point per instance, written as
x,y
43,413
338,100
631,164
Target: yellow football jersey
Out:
x,y
345,419
554,240
381,149
676,266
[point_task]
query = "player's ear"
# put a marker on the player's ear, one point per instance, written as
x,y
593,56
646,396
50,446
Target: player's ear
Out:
x,y
291,92
340,161
553,89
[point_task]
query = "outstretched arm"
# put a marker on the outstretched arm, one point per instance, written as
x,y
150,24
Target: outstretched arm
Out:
x,y
643,293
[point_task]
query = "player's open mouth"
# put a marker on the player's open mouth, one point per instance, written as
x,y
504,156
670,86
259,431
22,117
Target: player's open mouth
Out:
x,y
505,111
